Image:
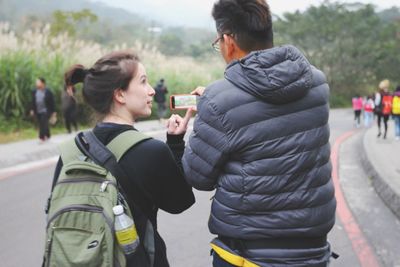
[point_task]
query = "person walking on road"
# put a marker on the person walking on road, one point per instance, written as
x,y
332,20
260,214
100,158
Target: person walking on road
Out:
x,y
368,111
357,102
261,140
378,108
117,88
69,108
43,107
396,112
386,106
383,107
160,98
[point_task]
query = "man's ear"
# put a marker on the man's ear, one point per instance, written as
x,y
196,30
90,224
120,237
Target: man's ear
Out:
x,y
119,96
230,45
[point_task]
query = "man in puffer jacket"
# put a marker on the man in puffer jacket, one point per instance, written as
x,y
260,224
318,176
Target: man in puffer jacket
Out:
x,y
261,139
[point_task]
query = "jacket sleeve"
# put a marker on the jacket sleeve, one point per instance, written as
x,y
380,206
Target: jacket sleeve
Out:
x,y
50,103
207,151
33,103
154,165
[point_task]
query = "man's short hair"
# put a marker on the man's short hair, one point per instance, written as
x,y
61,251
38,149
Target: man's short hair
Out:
x,y
249,21
43,80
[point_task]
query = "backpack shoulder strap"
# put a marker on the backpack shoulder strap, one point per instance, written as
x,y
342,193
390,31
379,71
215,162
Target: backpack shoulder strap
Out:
x,y
124,141
92,147
70,151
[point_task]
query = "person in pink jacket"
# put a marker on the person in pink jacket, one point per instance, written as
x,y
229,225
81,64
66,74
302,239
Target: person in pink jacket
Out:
x,y
357,107
369,106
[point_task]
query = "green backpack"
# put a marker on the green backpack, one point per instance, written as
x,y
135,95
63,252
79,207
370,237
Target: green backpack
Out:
x,y
80,222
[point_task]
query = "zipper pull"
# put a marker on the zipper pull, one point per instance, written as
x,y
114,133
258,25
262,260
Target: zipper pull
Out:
x,y
103,186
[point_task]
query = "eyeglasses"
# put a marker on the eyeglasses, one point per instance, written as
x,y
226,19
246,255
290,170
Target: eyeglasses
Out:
x,y
215,44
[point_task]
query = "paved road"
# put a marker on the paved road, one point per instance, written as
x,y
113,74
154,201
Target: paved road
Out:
x,y
22,221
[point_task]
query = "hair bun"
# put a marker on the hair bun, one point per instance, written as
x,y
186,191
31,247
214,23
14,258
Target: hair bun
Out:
x,y
76,74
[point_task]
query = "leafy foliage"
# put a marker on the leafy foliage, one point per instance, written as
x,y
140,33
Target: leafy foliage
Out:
x,y
69,21
350,42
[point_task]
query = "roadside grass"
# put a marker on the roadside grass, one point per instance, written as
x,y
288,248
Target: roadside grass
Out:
x,y
26,134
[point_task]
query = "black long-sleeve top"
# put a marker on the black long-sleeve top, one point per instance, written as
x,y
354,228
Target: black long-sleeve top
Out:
x,y
48,99
157,166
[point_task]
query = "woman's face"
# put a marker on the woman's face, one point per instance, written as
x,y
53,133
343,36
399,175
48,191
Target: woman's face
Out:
x,y
139,95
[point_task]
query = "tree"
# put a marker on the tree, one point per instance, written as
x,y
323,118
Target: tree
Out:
x,y
351,43
170,44
64,21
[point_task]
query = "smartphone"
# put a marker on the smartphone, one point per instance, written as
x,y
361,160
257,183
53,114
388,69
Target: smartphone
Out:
x,y
183,101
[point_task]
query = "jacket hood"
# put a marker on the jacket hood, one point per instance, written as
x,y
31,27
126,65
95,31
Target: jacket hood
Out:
x,y
278,75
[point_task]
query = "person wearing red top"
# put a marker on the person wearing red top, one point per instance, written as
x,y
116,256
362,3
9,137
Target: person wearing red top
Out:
x,y
357,107
368,111
384,107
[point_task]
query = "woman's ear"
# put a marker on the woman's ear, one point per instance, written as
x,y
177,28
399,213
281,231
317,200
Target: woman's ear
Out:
x,y
119,96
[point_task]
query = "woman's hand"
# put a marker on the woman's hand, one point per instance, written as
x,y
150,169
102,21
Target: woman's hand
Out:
x,y
198,91
177,125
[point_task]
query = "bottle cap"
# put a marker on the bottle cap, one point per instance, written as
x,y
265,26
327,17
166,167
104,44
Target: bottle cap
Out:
x,y
118,210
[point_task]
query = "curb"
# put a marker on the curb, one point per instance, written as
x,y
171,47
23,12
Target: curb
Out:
x,y
360,244
27,167
45,153
42,154
384,190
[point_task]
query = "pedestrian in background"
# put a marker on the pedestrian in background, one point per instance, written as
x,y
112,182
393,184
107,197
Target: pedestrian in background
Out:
x,y
378,109
357,102
368,111
43,107
386,105
160,98
69,107
396,112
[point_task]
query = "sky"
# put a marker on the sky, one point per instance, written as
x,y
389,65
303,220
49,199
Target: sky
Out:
x,y
197,12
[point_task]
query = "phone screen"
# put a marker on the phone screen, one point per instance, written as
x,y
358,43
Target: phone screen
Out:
x,y
183,101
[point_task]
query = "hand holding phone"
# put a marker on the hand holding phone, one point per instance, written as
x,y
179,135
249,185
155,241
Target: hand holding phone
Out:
x,y
179,102
198,91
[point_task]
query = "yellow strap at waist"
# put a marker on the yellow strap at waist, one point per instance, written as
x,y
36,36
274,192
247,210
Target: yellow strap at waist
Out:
x,y
232,258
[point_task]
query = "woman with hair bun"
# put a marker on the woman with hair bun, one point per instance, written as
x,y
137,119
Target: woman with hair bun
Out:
x,y
117,89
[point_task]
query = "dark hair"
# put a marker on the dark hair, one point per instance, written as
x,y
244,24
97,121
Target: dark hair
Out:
x,y
249,21
112,71
43,80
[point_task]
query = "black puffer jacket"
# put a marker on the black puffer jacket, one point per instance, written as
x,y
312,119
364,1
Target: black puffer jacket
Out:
x,y
261,138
